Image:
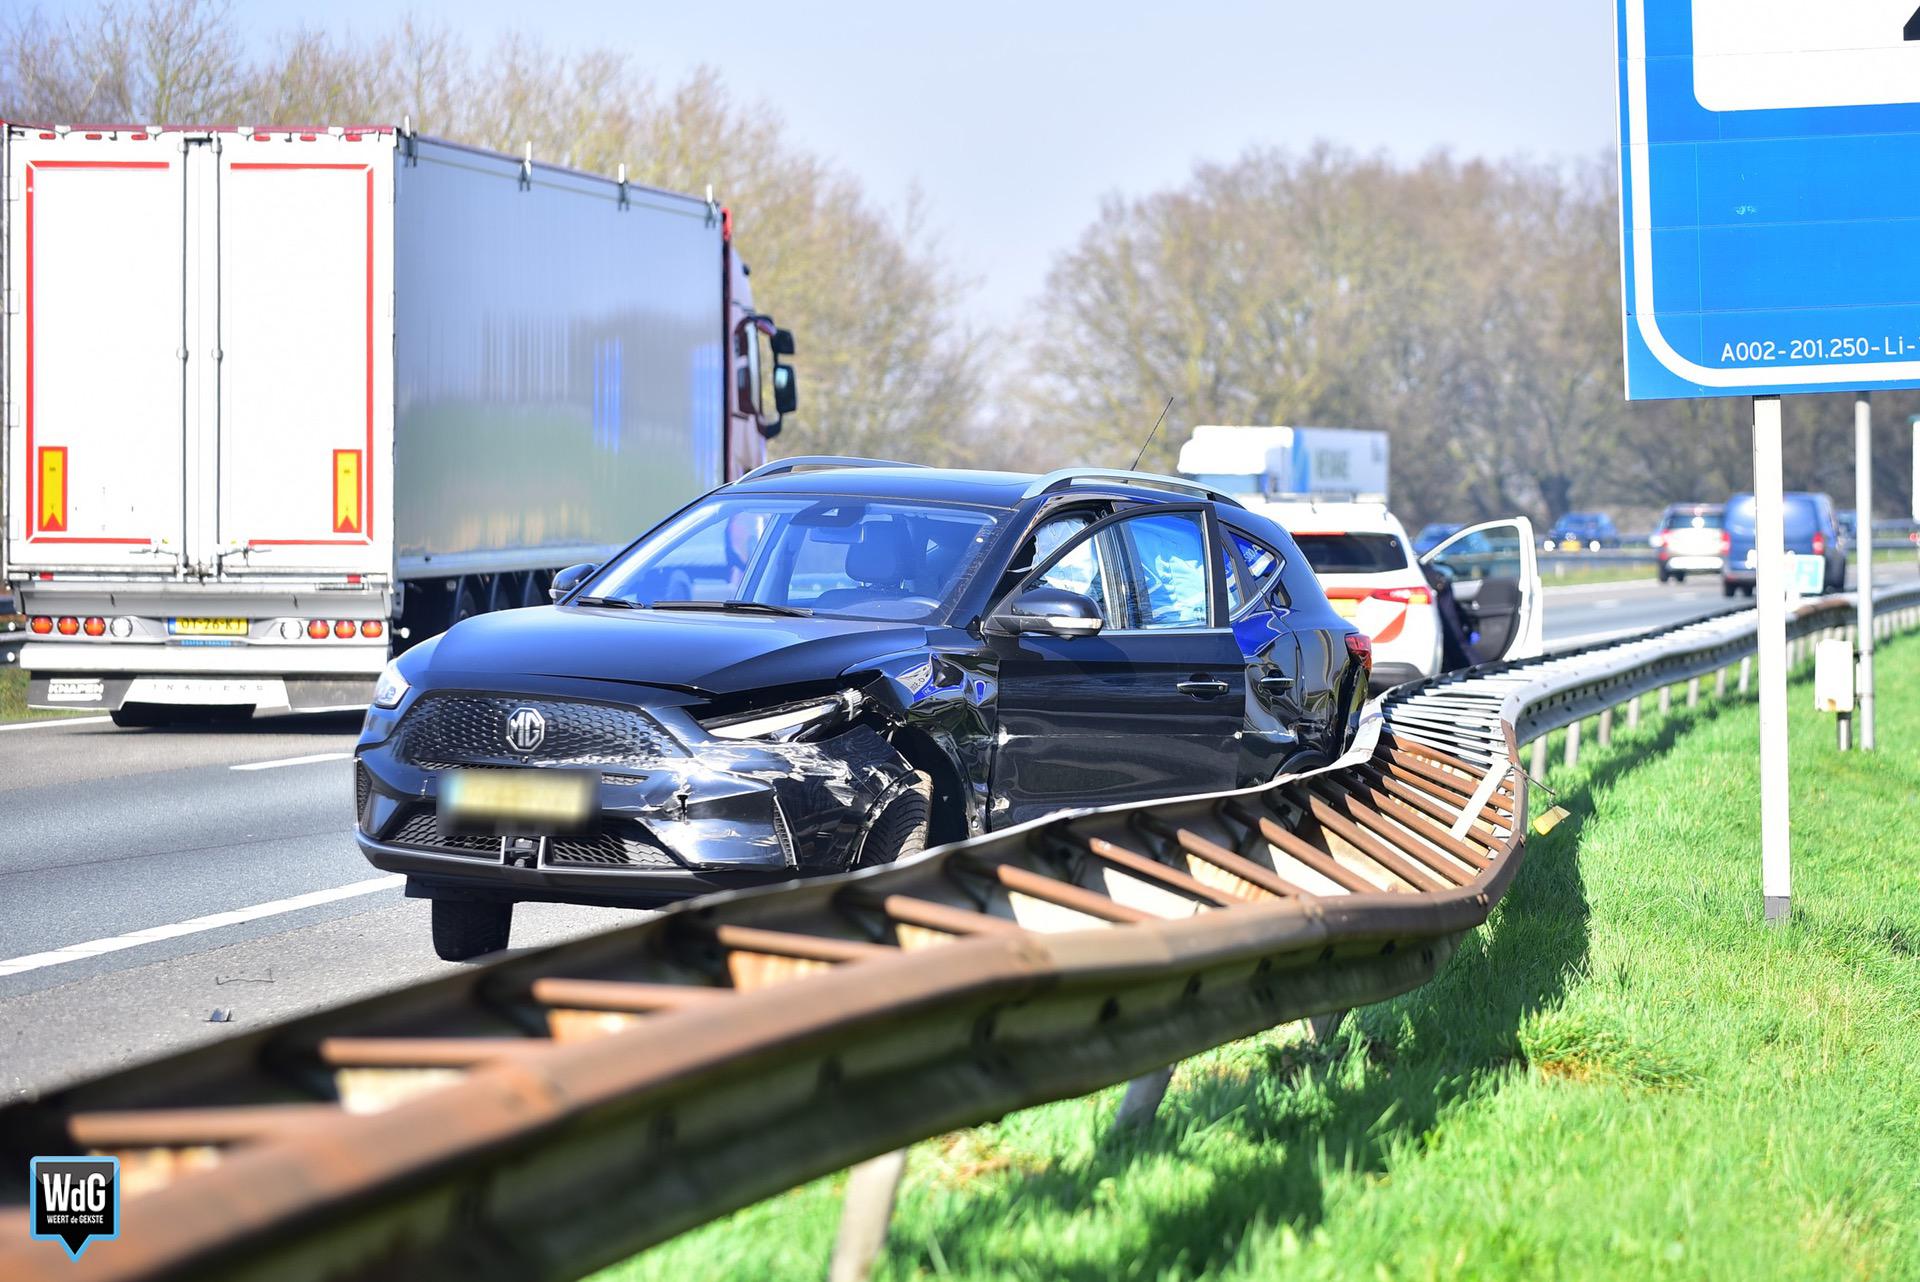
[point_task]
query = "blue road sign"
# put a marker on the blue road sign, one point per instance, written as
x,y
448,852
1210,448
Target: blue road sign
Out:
x,y
1770,186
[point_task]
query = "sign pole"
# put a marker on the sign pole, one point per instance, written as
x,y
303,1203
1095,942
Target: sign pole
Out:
x,y
1769,596
1863,530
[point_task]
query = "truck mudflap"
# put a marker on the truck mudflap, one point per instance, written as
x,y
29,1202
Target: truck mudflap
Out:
x,y
98,693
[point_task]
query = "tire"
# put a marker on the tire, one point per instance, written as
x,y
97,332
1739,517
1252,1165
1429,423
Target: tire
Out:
x,y
1748,589
464,608
1664,576
1679,576
1726,587
467,928
901,828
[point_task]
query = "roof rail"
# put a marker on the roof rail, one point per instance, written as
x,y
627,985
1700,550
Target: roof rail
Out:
x,y
1069,476
815,462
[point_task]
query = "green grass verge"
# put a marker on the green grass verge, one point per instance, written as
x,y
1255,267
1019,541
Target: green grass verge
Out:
x,y
1623,1075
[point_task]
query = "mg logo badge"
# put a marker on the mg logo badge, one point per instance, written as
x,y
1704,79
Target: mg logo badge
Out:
x,y
526,729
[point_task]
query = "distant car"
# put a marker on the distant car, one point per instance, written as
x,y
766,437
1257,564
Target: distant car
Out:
x,y
1433,535
1486,574
1812,529
1582,531
1849,523
1688,540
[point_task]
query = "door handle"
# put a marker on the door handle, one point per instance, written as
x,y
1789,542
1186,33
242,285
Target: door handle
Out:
x,y
1203,687
1276,685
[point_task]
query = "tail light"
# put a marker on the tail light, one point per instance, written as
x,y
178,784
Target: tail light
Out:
x,y
371,628
41,625
1405,596
121,627
95,627
343,629
1726,543
68,627
1360,647
1819,543
317,629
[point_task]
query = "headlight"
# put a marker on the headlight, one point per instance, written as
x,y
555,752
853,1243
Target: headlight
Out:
x,y
391,688
783,722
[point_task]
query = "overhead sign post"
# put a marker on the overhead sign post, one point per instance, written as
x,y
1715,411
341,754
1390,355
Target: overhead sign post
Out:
x,y
1770,182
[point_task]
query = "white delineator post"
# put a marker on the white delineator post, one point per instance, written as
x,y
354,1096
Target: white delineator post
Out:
x,y
1770,598
1863,530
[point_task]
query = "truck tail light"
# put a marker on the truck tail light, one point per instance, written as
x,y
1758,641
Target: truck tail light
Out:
x,y
317,629
40,625
1405,596
343,629
372,628
1360,647
1819,543
95,627
121,627
68,627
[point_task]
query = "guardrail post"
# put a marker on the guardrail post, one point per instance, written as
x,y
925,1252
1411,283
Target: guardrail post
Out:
x,y
1606,727
1666,700
1323,1028
1720,684
1142,1099
1746,672
866,1209
1633,713
1573,742
1693,692
1539,769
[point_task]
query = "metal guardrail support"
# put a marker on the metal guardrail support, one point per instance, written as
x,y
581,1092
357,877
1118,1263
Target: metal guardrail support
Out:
x,y
1693,692
866,1212
1605,733
1573,743
1633,713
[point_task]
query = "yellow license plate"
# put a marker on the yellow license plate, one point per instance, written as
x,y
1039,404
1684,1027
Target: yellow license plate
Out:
x,y
518,802
207,627
1345,607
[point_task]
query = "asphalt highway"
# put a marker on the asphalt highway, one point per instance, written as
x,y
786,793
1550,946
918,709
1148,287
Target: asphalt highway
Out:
x,y
151,877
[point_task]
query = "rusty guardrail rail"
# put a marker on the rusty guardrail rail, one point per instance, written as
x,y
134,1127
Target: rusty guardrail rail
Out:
x,y
544,1114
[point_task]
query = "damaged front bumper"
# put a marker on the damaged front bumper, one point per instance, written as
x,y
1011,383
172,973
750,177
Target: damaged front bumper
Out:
x,y
679,812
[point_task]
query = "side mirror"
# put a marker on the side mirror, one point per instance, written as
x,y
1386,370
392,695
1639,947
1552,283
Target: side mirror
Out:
x,y
782,342
565,581
1054,612
786,390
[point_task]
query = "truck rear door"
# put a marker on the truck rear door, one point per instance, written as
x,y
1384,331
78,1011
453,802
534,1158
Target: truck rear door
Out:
x,y
98,260
306,341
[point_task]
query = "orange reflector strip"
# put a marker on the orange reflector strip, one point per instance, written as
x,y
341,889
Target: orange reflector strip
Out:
x,y
346,492
53,487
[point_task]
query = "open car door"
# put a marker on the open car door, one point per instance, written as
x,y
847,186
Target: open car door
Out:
x,y
1495,575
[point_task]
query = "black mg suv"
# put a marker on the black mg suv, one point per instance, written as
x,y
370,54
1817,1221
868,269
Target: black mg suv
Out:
x,y
834,662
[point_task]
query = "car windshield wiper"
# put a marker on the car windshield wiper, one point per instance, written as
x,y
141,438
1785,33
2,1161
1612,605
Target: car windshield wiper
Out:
x,y
740,607
612,601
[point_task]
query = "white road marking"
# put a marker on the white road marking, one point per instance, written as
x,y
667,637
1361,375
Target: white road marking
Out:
x,y
293,761
50,722
193,926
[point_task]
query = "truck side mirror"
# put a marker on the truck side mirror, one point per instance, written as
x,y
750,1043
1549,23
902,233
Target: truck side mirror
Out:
x,y
786,389
782,342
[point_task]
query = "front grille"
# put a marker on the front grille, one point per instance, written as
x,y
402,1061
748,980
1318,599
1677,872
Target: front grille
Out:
x,y
606,850
444,730
362,785
422,829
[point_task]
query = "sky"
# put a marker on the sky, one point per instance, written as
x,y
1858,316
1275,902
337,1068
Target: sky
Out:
x,y
1016,119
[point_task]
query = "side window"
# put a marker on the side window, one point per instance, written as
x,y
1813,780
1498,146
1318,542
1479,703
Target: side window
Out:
x,y
1260,563
1166,579
1078,571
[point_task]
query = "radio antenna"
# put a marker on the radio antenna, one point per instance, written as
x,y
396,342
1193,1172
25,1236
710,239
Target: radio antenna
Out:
x,y
1135,465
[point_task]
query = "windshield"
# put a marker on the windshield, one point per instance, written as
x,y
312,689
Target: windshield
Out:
x,y
851,558
1802,517
1685,518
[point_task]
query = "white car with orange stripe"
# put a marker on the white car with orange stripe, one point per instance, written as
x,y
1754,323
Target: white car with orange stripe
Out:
x,y
1366,564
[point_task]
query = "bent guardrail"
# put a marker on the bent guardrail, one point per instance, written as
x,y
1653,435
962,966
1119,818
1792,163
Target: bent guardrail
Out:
x,y
544,1114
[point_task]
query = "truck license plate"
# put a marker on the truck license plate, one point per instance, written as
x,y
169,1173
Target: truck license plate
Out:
x,y
531,803
207,627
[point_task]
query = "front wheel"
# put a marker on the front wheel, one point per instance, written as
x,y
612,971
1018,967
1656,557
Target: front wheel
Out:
x,y
901,828
466,928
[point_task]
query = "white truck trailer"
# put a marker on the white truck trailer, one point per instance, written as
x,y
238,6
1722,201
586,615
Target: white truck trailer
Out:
x,y
279,403
1268,462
